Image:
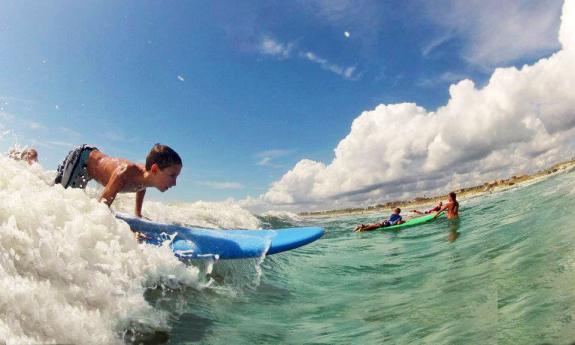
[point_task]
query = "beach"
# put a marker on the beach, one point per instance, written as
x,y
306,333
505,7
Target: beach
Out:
x,y
463,194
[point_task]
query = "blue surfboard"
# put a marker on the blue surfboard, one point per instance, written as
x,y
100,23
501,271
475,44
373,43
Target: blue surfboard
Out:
x,y
198,243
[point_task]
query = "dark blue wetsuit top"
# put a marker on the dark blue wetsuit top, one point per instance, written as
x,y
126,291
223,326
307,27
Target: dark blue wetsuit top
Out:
x,y
394,218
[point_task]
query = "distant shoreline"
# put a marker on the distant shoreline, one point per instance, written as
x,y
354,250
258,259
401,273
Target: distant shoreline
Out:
x,y
464,193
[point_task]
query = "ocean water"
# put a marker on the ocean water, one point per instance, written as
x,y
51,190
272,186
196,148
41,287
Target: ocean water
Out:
x,y
71,273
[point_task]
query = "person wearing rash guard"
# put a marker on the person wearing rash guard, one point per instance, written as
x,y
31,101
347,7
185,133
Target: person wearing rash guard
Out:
x,y
394,219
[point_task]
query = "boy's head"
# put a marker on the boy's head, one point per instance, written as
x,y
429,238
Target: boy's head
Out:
x,y
163,156
397,210
30,156
452,196
165,165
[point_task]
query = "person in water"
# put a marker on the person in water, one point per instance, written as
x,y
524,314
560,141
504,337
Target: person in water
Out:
x,y
452,207
118,175
394,219
435,209
30,155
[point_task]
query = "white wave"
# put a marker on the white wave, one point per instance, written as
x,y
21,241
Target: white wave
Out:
x,y
70,272
286,215
226,214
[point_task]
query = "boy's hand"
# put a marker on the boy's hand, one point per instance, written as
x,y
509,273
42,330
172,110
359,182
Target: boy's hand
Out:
x,y
140,236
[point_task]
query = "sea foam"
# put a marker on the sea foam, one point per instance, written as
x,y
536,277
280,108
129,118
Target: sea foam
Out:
x,y
70,272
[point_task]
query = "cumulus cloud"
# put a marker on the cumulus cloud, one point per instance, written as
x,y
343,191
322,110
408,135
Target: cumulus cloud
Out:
x,y
496,32
520,121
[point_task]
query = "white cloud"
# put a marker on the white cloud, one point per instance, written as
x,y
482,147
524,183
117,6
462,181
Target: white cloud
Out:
x,y
447,77
267,158
497,32
270,46
522,120
345,72
437,42
221,185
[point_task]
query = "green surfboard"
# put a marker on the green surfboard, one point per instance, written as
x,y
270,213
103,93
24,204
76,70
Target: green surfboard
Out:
x,y
411,222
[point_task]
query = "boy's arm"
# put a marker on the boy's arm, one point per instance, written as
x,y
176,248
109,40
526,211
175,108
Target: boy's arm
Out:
x,y
139,202
114,185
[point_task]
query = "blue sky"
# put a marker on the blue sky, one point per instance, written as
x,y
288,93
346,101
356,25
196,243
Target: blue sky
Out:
x,y
242,90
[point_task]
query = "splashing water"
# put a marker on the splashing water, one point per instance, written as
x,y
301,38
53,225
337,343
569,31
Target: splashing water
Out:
x,y
70,272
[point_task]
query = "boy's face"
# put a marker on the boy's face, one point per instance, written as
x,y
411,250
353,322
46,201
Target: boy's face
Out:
x,y
166,178
31,157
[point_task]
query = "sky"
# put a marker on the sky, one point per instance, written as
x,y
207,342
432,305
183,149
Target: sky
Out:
x,y
296,105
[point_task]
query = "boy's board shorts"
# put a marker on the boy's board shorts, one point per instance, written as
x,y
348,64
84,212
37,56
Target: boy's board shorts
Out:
x,y
73,171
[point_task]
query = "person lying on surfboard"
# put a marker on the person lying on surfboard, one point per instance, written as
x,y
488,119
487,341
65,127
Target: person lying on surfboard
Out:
x,y
394,219
435,209
118,175
452,207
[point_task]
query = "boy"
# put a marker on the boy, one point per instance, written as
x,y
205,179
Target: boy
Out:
x,y
452,207
393,219
163,165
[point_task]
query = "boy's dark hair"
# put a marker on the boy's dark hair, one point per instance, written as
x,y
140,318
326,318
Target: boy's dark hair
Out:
x,y
452,195
163,156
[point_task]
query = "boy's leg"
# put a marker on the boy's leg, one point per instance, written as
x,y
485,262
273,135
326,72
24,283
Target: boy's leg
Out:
x,y
72,172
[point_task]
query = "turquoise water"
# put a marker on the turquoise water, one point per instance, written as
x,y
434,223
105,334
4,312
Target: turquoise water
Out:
x,y
503,274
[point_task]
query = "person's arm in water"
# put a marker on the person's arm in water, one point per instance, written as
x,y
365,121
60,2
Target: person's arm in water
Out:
x,y
441,210
139,202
